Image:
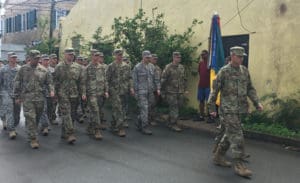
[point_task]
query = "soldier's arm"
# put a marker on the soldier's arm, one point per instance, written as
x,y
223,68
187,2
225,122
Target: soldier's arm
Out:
x,y
134,79
107,76
56,76
49,82
217,85
164,77
17,88
82,83
157,78
251,92
130,80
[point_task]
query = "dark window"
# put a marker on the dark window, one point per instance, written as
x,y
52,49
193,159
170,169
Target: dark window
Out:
x,y
236,40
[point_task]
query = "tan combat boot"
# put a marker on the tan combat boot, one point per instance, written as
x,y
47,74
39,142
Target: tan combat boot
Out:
x,y
241,170
98,135
121,132
45,132
175,128
71,139
34,144
219,158
12,134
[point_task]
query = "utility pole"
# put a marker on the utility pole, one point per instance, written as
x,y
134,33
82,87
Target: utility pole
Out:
x,y
52,19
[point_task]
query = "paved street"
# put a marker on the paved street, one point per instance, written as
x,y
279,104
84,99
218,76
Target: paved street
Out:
x,y
165,157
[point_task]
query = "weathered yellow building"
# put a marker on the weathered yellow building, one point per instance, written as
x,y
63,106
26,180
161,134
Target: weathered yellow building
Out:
x,y
273,27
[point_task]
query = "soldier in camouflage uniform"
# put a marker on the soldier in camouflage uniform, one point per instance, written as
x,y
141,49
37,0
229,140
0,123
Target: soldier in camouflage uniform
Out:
x,y
44,120
69,84
145,82
127,96
10,110
157,97
234,83
28,88
52,102
96,90
174,86
83,103
118,76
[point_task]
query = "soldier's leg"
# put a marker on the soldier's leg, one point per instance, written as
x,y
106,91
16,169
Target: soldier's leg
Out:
x,y
74,106
153,100
94,115
143,111
17,111
10,118
234,133
101,101
65,111
29,109
44,120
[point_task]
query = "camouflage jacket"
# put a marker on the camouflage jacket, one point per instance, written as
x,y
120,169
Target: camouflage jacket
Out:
x,y
95,80
145,79
118,76
158,71
173,79
235,86
30,81
7,76
69,80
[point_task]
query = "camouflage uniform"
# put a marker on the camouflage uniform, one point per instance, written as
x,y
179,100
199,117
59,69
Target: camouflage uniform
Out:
x,y
145,81
28,87
103,68
174,84
157,98
9,110
69,84
235,86
96,86
118,76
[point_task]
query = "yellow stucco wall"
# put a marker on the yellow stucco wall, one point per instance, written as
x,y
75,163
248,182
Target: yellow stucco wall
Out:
x,y
273,49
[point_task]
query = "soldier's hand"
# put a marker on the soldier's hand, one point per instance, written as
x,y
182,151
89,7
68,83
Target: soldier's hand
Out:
x,y
83,97
260,107
106,94
213,114
132,91
158,92
18,101
52,94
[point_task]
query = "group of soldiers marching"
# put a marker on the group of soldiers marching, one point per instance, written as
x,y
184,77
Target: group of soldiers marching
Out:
x,y
44,85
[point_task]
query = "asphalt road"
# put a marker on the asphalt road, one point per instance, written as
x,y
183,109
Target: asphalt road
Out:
x,y
164,157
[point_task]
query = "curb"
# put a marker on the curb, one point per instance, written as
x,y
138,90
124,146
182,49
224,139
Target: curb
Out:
x,y
212,130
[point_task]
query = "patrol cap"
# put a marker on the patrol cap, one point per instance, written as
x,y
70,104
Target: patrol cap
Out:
x,y
79,57
98,53
94,50
34,54
118,51
177,54
53,55
154,56
237,50
146,53
12,54
45,57
70,51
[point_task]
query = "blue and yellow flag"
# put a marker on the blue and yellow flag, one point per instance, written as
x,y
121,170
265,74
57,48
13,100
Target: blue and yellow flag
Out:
x,y
216,51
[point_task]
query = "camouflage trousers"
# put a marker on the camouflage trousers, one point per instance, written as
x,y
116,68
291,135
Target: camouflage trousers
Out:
x,y
126,105
118,110
66,106
152,111
44,120
95,104
84,109
233,137
145,103
175,101
32,111
9,111
51,108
